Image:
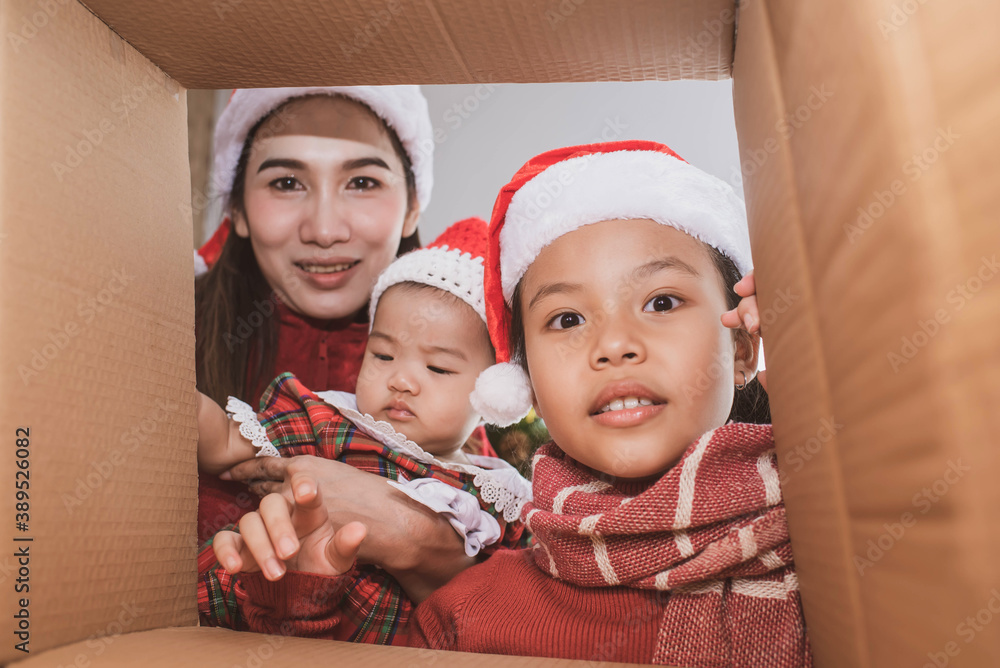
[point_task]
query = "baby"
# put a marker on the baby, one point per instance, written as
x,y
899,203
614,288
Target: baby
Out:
x,y
408,422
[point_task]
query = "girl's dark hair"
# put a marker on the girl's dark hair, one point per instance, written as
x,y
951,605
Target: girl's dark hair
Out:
x,y
237,331
749,405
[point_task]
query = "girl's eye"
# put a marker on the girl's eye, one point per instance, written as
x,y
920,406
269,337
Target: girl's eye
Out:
x,y
439,370
384,358
661,303
566,321
286,184
363,183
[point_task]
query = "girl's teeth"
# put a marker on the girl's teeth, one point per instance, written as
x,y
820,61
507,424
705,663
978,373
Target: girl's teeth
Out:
x,y
325,269
625,403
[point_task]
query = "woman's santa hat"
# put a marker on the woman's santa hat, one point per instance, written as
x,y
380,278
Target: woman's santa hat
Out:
x,y
562,190
453,263
403,108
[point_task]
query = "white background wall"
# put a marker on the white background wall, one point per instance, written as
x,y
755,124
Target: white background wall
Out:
x,y
486,133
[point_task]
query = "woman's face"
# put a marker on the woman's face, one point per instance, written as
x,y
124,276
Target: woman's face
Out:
x,y
627,354
325,204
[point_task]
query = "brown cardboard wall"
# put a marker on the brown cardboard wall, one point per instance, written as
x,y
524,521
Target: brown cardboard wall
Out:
x,y
870,146
215,648
97,331
237,43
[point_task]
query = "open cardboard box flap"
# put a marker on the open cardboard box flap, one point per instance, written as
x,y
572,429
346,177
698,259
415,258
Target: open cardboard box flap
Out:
x,y
871,152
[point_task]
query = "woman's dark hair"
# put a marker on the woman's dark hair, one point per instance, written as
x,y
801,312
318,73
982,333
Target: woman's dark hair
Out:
x,y
237,333
749,405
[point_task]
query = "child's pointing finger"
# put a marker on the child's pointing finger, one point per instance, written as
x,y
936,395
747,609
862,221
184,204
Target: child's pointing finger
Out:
x,y
308,511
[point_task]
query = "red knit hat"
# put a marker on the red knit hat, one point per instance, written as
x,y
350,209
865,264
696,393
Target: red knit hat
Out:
x,y
561,190
453,263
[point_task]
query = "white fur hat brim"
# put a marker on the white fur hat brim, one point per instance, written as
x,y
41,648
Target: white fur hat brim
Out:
x,y
620,185
403,108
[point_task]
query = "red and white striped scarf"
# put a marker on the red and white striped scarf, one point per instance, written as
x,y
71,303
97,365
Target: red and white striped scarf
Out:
x,y
711,531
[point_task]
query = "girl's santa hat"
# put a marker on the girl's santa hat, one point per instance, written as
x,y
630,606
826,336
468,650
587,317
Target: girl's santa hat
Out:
x,y
453,263
565,189
403,108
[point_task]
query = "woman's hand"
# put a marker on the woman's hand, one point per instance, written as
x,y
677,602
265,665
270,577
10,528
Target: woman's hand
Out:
x,y
746,314
413,543
295,535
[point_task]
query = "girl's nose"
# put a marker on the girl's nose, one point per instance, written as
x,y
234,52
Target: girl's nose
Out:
x,y
617,344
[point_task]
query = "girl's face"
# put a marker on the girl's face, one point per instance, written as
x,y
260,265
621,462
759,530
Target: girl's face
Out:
x,y
628,358
325,204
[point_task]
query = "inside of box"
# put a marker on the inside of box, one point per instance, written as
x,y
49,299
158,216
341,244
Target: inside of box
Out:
x,y
869,151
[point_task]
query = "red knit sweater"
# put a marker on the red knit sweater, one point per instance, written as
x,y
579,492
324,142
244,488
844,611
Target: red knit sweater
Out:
x,y
503,606
324,356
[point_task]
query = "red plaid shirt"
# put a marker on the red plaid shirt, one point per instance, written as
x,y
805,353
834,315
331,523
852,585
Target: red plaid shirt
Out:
x,y
374,607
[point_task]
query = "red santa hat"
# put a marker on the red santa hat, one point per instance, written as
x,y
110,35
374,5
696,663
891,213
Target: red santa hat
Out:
x,y
403,108
564,189
453,263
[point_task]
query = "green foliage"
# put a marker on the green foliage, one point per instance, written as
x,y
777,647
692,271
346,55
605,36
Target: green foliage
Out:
x,y
517,443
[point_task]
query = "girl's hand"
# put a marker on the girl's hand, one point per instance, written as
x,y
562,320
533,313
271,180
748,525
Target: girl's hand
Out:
x,y
295,535
746,314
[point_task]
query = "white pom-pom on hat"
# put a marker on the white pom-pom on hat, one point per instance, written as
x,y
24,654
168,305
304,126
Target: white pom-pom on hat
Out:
x,y
503,394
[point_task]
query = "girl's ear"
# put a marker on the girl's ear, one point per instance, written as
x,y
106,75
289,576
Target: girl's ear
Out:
x,y
240,226
747,353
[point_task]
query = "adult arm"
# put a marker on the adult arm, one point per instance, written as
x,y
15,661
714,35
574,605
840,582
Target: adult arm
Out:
x,y
412,543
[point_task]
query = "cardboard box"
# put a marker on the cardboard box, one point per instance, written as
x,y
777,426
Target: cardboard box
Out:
x,y
871,152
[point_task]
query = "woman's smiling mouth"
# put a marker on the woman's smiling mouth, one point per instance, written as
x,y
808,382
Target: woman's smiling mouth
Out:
x,y
314,267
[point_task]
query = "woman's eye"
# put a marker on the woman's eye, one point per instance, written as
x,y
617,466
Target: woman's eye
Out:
x,y
566,321
383,358
661,303
363,183
286,184
439,370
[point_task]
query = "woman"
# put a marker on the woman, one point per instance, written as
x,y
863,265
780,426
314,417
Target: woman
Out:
x,y
323,188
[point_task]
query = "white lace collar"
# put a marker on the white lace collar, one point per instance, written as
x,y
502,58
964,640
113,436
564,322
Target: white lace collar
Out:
x,y
498,482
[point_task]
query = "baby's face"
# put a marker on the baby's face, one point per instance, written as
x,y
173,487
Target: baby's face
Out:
x,y
424,353
628,358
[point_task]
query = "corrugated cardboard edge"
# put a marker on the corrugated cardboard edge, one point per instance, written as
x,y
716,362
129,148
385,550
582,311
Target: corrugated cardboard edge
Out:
x,y
872,242
797,376
211,648
236,43
97,332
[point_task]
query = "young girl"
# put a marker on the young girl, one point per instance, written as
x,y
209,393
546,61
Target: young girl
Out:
x,y
660,527
428,344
